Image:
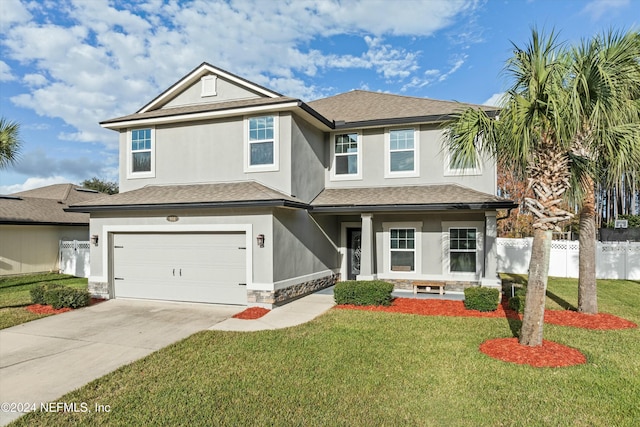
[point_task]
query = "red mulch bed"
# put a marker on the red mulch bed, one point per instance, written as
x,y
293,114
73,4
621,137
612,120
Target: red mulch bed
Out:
x,y
600,321
433,307
251,313
549,354
46,309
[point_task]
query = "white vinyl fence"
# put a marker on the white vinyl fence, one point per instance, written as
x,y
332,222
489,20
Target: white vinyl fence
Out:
x,y
614,260
74,257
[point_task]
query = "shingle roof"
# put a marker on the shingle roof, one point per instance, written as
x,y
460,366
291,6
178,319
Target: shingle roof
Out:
x,y
443,196
361,106
201,108
46,205
191,194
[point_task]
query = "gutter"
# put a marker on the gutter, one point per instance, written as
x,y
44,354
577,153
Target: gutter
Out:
x,y
413,207
197,205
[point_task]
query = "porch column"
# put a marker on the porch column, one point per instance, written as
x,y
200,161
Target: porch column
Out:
x,y
366,249
491,277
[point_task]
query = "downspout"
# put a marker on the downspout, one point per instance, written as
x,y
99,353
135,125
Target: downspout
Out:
x,y
506,216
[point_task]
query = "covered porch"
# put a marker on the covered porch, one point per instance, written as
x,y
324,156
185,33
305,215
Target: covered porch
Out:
x,y
441,234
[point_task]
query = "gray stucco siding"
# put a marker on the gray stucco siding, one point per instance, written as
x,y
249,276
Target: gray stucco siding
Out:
x,y
225,91
432,166
208,151
307,160
300,246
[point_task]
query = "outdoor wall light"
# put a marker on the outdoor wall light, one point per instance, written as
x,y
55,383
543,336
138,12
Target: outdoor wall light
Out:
x,y
94,239
260,240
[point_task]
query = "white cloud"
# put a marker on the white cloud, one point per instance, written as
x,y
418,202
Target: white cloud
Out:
x,y
94,60
34,80
12,12
495,100
5,72
597,8
34,182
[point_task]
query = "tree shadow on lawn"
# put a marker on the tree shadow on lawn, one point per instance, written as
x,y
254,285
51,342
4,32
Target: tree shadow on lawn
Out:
x,y
566,305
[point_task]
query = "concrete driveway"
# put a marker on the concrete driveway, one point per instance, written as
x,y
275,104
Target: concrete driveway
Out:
x,y
42,360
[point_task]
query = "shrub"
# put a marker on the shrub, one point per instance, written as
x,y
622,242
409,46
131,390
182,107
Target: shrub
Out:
x,y
481,299
516,302
66,297
374,292
37,293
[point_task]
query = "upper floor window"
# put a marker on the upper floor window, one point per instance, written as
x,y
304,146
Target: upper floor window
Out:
x,y
401,153
347,162
452,168
262,143
462,250
141,156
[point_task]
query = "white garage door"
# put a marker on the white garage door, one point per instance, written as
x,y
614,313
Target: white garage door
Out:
x,y
198,267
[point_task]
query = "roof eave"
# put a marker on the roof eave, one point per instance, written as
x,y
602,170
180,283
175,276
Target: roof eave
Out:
x,y
197,205
415,207
25,222
436,118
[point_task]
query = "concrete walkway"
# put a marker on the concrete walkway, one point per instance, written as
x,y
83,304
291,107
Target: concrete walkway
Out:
x,y
292,314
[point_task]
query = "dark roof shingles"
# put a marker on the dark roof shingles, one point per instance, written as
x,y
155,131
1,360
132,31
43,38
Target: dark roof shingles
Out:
x,y
248,191
443,194
360,105
46,205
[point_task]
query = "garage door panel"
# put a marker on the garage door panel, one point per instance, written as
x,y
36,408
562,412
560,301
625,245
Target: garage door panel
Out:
x,y
181,267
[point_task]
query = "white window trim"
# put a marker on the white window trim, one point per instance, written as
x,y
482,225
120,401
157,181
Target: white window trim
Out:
x,y
446,267
152,172
208,85
275,166
386,246
416,154
349,177
448,171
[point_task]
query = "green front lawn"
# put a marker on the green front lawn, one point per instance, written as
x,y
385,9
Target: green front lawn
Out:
x,y
14,295
364,368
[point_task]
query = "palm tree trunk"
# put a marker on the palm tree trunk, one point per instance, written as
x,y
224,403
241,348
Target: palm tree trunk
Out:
x,y
587,286
533,319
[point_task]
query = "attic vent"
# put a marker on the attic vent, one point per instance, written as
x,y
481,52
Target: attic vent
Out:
x,y
208,85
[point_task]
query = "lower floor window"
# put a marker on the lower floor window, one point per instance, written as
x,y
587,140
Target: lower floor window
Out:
x,y
403,251
462,250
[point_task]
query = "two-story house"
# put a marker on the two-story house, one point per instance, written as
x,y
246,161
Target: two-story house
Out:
x,y
233,193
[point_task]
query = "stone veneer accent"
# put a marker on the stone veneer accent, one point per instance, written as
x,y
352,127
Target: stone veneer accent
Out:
x,y
455,286
284,295
99,290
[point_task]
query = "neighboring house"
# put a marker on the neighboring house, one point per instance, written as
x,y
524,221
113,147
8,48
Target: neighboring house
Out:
x,y
33,222
232,193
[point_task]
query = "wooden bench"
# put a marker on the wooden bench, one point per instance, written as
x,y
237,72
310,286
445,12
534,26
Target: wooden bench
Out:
x,y
428,286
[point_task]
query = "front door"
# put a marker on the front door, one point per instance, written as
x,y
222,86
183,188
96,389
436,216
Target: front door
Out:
x,y
354,236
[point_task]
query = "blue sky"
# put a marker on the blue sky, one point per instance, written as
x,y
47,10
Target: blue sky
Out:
x,y
66,65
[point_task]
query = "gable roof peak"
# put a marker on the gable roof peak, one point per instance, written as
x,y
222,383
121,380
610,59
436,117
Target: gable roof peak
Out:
x,y
194,75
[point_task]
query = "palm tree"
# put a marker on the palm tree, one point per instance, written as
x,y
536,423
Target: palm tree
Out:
x,y
10,142
604,87
531,134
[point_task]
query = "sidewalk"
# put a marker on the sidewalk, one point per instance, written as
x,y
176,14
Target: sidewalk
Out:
x,y
292,314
